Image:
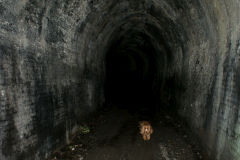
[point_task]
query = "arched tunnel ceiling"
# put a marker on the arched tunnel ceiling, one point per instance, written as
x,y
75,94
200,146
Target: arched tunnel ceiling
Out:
x,y
53,59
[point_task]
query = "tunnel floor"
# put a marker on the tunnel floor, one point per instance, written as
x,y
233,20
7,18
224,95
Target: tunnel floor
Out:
x,y
112,133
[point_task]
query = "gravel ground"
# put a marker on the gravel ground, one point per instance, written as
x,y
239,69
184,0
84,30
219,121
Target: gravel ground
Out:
x,y
113,134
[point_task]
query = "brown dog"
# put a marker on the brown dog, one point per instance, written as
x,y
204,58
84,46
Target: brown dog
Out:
x,y
146,130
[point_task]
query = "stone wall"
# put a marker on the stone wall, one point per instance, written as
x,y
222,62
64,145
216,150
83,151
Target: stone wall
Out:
x,y
45,84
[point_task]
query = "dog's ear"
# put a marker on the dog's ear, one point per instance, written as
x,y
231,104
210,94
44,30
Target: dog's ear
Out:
x,y
151,130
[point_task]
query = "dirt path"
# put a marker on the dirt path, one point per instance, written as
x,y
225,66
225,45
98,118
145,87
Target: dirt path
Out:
x,y
114,135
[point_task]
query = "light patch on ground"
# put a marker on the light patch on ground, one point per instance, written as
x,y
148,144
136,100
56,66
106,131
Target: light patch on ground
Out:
x,y
163,151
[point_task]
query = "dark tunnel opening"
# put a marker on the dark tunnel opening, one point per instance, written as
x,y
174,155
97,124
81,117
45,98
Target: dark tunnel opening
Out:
x,y
136,75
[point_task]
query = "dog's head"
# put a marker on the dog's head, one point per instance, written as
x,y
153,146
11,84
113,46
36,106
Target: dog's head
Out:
x,y
145,127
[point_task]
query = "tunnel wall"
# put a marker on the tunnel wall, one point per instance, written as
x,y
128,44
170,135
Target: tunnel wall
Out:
x,y
52,59
45,88
210,102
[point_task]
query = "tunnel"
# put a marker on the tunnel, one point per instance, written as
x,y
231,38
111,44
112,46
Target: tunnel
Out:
x,y
136,72
130,71
64,61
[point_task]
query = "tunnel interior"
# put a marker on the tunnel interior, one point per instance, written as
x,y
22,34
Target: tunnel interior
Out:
x,y
61,61
136,73
130,70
